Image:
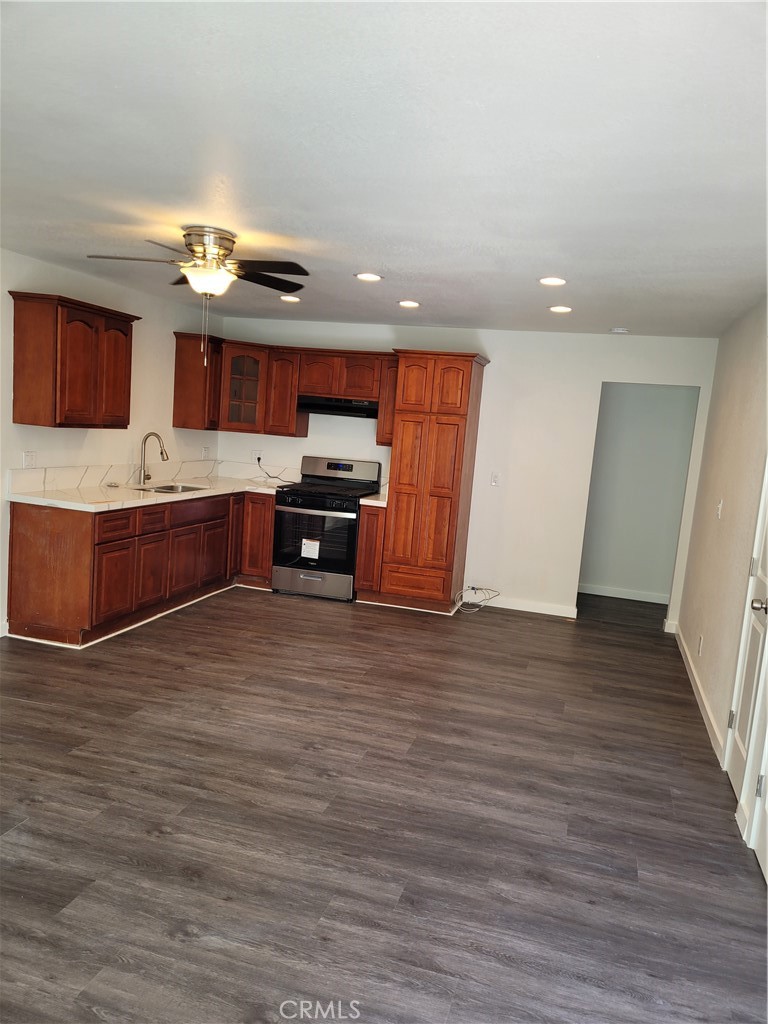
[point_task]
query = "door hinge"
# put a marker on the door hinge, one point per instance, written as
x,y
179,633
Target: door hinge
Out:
x,y
731,718
760,784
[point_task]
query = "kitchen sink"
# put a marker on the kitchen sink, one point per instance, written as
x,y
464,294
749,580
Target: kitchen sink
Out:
x,y
171,488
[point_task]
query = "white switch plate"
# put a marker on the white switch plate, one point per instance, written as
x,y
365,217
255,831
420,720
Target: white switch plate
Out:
x,y
29,460
495,479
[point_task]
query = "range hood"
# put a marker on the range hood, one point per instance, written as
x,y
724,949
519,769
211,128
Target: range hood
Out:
x,y
362,408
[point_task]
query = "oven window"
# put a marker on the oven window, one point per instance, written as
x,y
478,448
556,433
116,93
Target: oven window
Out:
x,y
326,543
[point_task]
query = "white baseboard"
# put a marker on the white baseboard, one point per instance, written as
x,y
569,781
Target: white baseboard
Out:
x,y
670,626
715,738
627,595
562,611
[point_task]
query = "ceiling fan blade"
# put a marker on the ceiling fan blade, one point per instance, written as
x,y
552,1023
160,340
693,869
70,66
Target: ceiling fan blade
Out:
x,y
269,266
277,283
180,280
170,248
135,259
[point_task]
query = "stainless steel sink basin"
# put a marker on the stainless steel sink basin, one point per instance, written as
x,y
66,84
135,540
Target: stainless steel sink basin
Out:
x,y
170,488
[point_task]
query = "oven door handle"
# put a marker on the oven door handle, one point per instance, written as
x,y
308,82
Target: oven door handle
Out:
x,y
316,512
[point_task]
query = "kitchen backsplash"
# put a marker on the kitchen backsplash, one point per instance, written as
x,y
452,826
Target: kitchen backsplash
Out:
x,y
68,477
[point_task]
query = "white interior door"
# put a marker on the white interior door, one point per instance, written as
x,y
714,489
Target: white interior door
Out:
x,y
744,705
752,812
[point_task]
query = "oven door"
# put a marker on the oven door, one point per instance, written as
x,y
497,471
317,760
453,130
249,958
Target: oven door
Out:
x,y
314,544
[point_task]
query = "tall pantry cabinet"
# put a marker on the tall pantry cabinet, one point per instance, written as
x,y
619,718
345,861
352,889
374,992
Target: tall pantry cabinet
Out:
x,y
430,482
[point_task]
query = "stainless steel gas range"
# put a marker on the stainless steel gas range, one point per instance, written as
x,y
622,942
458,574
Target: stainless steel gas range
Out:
x,y
316,527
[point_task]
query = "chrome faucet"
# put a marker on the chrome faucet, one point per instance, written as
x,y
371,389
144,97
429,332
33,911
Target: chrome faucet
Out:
x,y
143,474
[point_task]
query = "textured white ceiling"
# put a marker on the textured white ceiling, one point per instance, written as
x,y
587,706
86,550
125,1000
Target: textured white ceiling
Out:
x,y
462,150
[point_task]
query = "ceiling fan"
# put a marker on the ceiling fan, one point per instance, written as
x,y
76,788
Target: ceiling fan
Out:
x,y
207,266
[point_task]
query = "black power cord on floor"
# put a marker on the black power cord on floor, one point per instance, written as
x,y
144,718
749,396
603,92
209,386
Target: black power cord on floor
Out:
x,y
472,599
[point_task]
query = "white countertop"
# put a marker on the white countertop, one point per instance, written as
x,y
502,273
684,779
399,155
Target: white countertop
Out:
x,y
103,498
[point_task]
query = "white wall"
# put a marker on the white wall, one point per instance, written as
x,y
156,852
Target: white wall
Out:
x,y
732,470
537,421
639,474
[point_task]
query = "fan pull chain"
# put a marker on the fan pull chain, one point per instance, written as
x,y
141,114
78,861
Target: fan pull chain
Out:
x,y
204,335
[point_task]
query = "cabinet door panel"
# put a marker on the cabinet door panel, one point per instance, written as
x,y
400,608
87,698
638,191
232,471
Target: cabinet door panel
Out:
x,y
282,397
113,576
385,426
235,546
402,532
243,388
370,545
152,556
197,382
77,366
442,490
184,562
115,373
258,532
422,584
409,452
319,374
450,391
415,376
213,555
359,377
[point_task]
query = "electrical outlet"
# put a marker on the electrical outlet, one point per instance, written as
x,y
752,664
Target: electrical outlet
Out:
x,y
255,456
495,479
205,452
29,460
701,644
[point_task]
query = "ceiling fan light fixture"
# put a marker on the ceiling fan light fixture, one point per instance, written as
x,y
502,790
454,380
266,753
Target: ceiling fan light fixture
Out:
x,y
208,278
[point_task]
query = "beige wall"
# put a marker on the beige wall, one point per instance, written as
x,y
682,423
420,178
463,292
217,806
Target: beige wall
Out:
x,y
732,471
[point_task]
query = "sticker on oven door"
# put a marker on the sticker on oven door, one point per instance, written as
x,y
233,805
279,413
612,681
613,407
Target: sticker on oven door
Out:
x,y
310,548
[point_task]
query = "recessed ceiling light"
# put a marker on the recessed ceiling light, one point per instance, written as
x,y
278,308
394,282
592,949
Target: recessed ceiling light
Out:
x,y
290,298
368,277
619,330
560,309
552,280
408,304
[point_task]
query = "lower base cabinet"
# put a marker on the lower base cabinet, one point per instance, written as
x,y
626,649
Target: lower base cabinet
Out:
x,y
370,547
79,575
258,535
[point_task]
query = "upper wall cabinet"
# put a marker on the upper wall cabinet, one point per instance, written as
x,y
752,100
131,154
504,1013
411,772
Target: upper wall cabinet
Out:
x,y
243,391
197,382
438,384
340,375
71,363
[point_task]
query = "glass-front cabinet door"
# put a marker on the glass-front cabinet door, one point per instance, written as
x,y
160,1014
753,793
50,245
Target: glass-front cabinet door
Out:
x,y
243,387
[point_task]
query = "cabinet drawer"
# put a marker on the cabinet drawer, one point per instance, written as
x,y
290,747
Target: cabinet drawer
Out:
x,y
422,583
199,510
154,519
115,525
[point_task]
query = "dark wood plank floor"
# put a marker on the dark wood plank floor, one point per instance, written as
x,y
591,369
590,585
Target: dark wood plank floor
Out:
x,y
488,819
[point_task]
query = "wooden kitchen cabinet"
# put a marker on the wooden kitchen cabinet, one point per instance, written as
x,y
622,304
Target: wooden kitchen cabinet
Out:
x,y
235,543
282,416
71,362
339,375
75,576
152,564
197,382
385,425
243,387
370,545
430,481
113,580
430,383
258,535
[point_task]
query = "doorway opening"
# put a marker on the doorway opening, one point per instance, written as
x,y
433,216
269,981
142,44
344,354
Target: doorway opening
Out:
x,y
639,474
